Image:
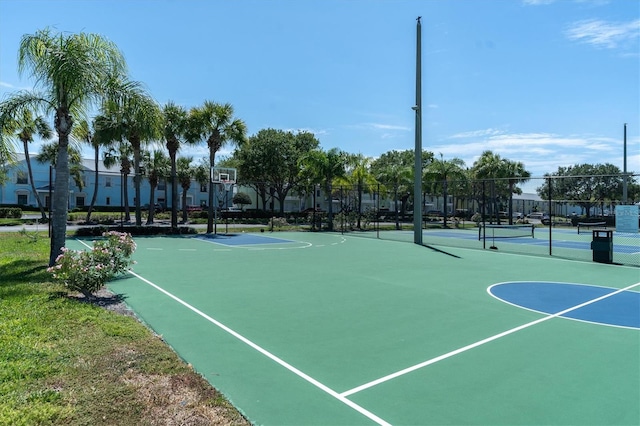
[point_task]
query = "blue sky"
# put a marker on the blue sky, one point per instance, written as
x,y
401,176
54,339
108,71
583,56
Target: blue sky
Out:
x,y
546,82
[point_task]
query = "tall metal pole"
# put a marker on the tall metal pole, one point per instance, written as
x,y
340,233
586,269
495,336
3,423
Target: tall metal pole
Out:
x,y
550,221
417,181
624,166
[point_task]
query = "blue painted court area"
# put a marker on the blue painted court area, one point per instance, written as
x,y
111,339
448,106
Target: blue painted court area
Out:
x,y
595,304
243,239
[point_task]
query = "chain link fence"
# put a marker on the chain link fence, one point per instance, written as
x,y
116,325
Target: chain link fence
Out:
x,y
566,217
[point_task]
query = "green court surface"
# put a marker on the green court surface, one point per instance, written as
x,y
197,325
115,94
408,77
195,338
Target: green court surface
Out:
x,y
326,329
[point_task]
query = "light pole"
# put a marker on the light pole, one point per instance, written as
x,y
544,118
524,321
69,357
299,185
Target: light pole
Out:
x,y
417,181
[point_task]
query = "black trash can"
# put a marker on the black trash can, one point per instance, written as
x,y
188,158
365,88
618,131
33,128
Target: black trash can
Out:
x,y
602,246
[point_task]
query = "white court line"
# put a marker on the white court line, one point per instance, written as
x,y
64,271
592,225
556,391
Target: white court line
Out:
x,y
269,355
479,343
252,246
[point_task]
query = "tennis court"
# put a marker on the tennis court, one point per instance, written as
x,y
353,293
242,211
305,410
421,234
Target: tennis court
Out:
x,y
562,243
319,328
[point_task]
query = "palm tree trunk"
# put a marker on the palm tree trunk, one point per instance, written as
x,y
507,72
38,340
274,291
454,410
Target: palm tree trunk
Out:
x,y
60,198
96,162
136,179
174,191
211,212
184,206
33,184
125,191
152,205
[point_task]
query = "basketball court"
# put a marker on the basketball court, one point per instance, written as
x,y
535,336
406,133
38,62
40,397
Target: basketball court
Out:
x,y
319,328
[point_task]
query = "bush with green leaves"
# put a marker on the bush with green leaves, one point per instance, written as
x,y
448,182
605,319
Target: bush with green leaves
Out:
x,y
88,271
10,212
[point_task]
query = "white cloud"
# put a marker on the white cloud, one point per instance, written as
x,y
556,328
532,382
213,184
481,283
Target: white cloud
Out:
x,y
315,132
6,85
476,133
540,152
380,126
537,2
603,34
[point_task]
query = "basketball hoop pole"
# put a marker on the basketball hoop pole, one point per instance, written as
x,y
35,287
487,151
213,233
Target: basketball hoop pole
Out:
x,y
215,209
220,176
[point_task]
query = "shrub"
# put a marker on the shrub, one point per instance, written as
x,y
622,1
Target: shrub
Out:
x,y
88,271
10,213
94,231
278,222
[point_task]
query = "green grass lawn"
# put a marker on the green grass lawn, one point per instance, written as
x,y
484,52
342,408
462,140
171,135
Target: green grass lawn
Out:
x,y
63,361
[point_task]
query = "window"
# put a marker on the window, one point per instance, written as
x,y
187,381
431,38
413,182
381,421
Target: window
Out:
x,y
21,178
203,188
162,186
108,201
23,199
80,201
107,182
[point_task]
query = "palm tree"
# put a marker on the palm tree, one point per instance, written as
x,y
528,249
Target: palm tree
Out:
x,y
358,176
24,127
157,167
84,132
398,176
120,153
441,172
49,154
135,117
490,166
7,146
185,174
73,71
175,122
215,123
516,173
324,168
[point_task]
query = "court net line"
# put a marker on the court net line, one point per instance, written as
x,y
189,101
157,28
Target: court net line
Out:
x,y
480,343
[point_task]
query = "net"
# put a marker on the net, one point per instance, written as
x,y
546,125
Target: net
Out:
x,y
506,231
227,185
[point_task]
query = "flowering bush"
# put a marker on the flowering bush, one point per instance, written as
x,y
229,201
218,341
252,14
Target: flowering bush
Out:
x,y
278,222
88,271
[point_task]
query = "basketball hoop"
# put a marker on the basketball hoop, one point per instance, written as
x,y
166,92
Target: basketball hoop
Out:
x,y
227,184
224,176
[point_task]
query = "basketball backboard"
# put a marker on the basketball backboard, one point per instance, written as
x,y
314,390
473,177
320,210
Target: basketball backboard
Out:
x,y
224,175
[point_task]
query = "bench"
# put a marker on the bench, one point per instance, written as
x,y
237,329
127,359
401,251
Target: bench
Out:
x,y
591,225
